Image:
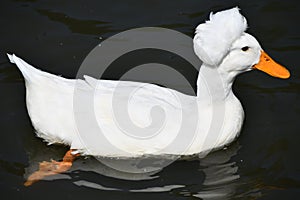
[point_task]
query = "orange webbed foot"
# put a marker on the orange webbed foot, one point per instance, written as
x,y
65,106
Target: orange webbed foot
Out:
x,y
52,168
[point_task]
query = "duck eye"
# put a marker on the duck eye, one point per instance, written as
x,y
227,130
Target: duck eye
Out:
x,y
245,48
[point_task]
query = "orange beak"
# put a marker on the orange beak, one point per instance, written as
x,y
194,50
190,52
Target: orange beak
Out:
x,y
269,66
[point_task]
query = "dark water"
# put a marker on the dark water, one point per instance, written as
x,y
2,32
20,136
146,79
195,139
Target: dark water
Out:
x,y
57,35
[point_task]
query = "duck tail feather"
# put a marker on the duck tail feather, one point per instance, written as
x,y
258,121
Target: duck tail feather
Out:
x,y
28,71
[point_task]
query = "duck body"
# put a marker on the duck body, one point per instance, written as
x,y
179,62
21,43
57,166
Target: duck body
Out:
x,y
157,120
50,104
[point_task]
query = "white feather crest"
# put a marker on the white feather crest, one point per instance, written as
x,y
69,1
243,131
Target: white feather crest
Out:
x,y
214,37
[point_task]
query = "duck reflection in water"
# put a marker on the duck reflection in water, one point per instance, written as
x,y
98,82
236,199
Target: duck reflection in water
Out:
x,y
215,176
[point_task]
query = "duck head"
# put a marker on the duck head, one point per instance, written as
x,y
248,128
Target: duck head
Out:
x,y
222,43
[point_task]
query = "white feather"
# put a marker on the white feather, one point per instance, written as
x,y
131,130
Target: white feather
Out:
x,y
214,37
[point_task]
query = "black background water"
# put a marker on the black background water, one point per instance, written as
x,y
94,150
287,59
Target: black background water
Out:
x,y
57,35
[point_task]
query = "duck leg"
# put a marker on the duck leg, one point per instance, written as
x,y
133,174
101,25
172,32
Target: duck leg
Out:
x,y
52,168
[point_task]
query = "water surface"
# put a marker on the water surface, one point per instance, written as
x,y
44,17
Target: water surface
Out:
x,y
56,36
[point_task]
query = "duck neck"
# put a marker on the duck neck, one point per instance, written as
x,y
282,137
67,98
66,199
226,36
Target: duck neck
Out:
x,y
213,84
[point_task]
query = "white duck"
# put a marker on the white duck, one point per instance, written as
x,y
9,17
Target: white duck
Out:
x,y
215,115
